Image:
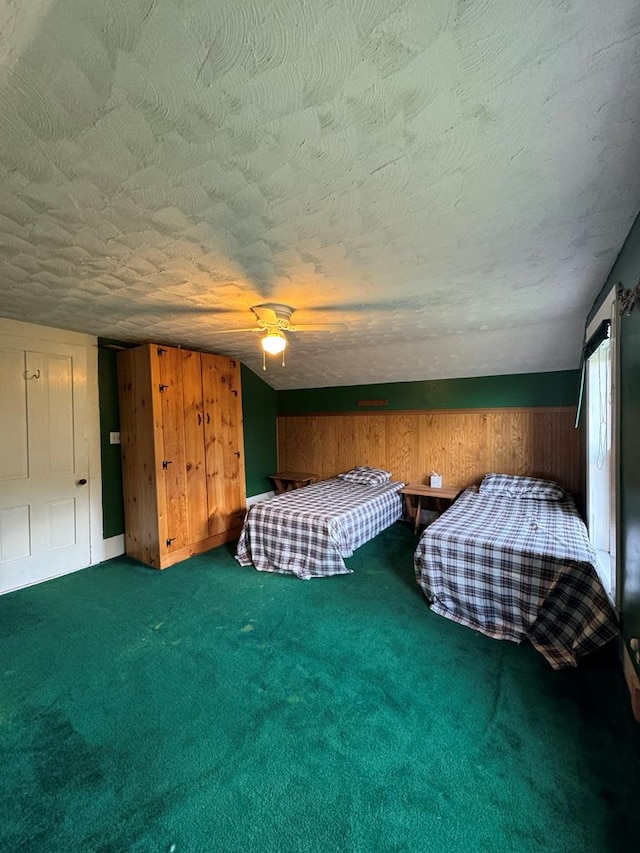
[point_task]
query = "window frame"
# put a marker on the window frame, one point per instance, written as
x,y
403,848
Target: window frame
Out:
x,y
608,311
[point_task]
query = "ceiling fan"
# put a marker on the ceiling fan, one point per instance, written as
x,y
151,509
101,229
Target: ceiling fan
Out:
x,y
274,319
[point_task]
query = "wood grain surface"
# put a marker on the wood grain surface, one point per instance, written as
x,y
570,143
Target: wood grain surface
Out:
x,y
462,445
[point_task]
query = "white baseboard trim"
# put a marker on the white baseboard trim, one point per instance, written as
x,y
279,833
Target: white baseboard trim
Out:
x,y
256,499
107,549
114,547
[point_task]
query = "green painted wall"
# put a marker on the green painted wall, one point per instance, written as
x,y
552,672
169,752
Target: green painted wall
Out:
x,y
112,504
522,389
259,408
259,412
626,270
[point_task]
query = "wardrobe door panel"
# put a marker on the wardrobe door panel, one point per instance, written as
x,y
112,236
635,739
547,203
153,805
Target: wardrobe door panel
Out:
x,y
140,429
195,461
173,462
223,442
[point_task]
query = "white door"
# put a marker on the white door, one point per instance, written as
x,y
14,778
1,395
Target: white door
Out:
x,y
44,464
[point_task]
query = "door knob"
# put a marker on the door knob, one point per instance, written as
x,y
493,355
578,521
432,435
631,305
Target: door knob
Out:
x,y
82,482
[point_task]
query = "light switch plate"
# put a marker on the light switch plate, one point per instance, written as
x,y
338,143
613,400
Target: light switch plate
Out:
x,y
114,438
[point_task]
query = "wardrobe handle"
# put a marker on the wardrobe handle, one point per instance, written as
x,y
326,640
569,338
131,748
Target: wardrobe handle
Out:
x,y
199,418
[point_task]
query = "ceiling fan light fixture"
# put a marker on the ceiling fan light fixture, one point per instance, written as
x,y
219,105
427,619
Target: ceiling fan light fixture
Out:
x,y
274,342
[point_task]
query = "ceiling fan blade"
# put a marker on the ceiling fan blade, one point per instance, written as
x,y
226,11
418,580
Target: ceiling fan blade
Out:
x,y
229,331
374,305
267,315
318,327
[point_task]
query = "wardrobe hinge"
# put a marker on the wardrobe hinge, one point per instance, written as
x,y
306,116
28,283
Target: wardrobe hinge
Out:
x,y
161,351
169,541
162,388
166,463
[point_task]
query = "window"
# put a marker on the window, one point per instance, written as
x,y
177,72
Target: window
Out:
x,y
600,365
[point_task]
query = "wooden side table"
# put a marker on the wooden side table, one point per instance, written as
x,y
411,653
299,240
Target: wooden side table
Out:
x,y
415,493
286,481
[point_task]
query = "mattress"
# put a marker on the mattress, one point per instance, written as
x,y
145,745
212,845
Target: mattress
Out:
x,y
517,569
308,532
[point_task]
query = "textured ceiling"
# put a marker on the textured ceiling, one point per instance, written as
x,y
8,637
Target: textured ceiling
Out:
x,y
451,180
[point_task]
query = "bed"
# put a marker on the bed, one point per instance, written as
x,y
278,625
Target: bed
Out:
x,y
512,559
309,531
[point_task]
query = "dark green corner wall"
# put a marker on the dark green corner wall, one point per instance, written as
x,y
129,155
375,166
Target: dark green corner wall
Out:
x,y
522,389
259,412
626,271
260,449
112,505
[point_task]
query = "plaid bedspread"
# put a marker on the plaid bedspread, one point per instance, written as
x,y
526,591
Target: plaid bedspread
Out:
x,y
516,569
307,532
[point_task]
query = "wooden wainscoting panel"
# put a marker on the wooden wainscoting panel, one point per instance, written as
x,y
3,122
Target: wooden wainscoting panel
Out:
x,y
301,454
462,445
402,434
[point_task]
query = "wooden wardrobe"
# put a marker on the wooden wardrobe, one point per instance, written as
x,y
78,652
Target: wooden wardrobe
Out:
x,y
182,452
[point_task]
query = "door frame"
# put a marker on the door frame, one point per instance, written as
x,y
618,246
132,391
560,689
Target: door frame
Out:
x,y
32,334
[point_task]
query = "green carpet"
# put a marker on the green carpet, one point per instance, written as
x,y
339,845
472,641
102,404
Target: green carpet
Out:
x,y
211,707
